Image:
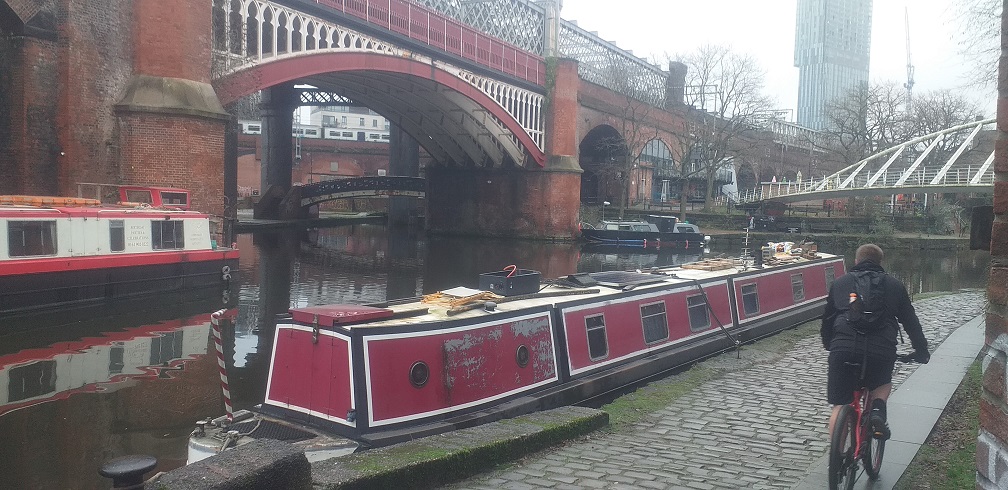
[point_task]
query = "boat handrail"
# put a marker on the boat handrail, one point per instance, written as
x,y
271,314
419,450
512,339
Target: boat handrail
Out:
x,y
126,208
42,201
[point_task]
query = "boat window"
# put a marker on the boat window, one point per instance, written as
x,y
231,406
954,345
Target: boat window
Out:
x,y
143,196
174,198
31,381
167,235
830,276
117,235
31,238
699,315
750,299
687,229
641,228
797,287
625,227
598,345
654,321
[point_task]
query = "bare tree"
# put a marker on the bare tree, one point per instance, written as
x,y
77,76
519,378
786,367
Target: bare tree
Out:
x,y
942,109
980,38
635,132
868,119
727,89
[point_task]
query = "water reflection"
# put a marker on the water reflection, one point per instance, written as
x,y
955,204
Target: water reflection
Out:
x,y
153,372
126,383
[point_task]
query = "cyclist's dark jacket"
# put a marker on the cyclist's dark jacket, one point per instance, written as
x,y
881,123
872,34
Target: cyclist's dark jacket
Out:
x,y
837,336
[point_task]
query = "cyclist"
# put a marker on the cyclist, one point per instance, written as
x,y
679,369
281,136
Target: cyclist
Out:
x,y
872,349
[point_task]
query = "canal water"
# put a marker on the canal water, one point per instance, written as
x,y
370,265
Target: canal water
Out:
x,y
76,391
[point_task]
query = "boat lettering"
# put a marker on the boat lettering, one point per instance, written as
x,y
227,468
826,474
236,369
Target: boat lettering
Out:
x,y
138,236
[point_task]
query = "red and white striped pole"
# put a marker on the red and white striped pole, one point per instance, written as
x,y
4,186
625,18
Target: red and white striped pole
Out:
x,y
215,321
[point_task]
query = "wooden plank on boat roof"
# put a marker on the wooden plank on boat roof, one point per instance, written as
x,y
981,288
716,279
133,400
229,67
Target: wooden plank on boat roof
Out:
x,y
710,264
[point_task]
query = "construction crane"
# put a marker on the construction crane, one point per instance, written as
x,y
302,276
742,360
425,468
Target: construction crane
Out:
x,y
909,66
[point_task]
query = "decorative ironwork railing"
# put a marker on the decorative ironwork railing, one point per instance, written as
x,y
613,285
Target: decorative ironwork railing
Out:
x,y
362,186
523,24
440,32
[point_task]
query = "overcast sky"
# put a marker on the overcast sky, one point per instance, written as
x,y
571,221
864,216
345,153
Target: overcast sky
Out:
x,y
766,30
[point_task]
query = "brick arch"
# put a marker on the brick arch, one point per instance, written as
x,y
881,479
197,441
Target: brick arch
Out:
x,y
595,150
361,73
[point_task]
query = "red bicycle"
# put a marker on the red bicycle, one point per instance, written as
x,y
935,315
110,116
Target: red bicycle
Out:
x,y
852,440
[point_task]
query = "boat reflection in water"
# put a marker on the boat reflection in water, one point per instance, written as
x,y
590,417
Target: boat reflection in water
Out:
x,y
104,363
127,381
598,258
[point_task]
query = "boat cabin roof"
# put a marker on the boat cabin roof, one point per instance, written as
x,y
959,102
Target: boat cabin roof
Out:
x,y
108,211
439,307
635,225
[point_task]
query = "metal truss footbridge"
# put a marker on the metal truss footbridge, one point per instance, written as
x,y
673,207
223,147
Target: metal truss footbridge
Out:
x,y
954,160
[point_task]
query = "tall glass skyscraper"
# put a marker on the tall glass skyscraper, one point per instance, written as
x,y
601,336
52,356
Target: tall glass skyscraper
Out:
x,y
832,48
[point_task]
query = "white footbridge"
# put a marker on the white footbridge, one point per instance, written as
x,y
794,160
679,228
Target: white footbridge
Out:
x,y
916,166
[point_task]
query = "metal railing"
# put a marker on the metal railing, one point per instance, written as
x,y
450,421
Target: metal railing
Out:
x,y
438,31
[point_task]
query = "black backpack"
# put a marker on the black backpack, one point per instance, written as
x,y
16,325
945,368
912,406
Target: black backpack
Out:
x,y
867,311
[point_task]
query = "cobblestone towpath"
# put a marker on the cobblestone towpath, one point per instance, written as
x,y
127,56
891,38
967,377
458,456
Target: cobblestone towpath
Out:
x,y
760,424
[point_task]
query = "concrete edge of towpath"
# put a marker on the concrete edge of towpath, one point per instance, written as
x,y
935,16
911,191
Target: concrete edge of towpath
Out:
x,y
448,457
420,463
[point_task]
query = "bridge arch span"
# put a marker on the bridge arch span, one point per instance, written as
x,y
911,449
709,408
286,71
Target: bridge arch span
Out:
x,y
456,122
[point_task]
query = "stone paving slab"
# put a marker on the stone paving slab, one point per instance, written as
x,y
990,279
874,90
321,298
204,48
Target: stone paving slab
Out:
x,y
760,425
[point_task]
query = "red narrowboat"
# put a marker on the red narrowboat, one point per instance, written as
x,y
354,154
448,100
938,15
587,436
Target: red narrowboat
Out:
x,y
380,374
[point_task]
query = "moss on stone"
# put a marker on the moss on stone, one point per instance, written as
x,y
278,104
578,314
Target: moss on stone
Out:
x,y
444,458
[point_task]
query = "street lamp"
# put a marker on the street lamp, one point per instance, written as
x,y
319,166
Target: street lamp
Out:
x,y
604,204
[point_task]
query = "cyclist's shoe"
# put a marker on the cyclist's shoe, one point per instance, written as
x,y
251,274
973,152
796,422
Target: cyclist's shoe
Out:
x,y
880,429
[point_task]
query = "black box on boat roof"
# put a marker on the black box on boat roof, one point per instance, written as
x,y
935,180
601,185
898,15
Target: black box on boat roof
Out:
x,y
522,281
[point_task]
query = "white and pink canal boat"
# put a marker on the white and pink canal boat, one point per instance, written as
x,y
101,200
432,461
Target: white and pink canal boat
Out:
x,y
384,373
66,252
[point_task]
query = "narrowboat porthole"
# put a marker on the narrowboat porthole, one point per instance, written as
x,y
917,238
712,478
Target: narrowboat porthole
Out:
x,y
419,373
522,356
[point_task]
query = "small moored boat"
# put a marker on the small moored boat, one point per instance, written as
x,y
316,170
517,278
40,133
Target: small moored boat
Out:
x,y
657,231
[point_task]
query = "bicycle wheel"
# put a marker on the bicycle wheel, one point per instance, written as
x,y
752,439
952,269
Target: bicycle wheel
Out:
x,y
873,450
842,463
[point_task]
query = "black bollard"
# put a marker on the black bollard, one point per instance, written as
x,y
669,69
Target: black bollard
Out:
x,y
128,471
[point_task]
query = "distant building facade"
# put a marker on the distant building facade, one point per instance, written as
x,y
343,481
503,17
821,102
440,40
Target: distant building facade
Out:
x,y
350,123
832,52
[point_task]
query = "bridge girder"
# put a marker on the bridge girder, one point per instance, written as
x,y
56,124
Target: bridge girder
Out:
x,y
516,128
870,178
413,113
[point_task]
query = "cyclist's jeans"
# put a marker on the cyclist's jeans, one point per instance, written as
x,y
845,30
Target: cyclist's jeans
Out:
x,y
845,372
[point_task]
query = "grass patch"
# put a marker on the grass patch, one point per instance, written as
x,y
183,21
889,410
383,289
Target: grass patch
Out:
x,y
947,460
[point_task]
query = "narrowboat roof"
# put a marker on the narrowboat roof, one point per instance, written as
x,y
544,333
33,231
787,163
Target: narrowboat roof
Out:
x,y
102,210
464,303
